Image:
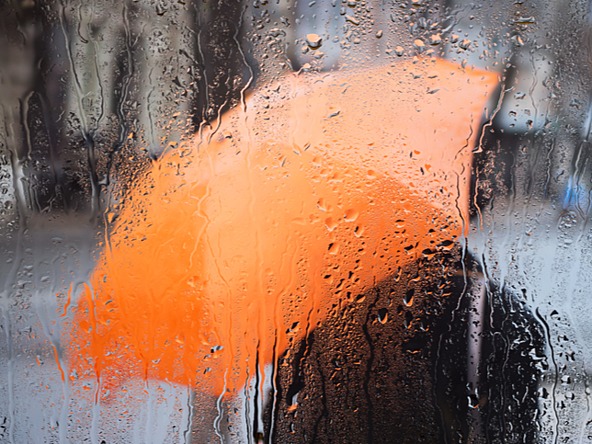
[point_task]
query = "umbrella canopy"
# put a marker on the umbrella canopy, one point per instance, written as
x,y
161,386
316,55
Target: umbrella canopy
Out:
x,y
311,192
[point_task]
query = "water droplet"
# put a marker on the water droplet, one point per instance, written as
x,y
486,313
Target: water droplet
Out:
x,y
294,405
464,44
446,245
399,51
161,8
435,39
408,321
566,379
330,223
322,205
525,20
517,40
351,215
419,44
383,316
379,34
295,328
333,248
352,20
314,40
473,401
408,298
428,253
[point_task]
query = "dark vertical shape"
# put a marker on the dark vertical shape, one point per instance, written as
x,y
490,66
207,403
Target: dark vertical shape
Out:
x,y
223,62
514,351
123,77
370,363
382,371
49,98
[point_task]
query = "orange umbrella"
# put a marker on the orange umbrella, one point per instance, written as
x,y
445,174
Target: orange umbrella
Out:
x,y
319,187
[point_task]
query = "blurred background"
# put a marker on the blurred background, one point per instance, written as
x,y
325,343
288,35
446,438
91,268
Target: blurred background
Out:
x,y
92,92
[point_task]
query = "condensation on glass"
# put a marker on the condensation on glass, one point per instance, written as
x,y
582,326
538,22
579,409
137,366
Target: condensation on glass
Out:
x,y
326,221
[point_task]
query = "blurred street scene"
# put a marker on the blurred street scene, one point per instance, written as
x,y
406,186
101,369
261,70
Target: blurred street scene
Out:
x,y
91,93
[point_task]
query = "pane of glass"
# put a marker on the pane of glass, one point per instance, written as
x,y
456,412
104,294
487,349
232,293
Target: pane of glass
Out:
x,y
326,221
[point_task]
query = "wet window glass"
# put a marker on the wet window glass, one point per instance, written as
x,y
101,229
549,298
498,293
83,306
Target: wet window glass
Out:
x,y
292,222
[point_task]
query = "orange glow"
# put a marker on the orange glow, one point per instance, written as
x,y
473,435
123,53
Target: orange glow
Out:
x,y
229,249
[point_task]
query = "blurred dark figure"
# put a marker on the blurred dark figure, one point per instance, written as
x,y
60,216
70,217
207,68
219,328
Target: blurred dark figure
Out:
x,y
92,90
395,367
